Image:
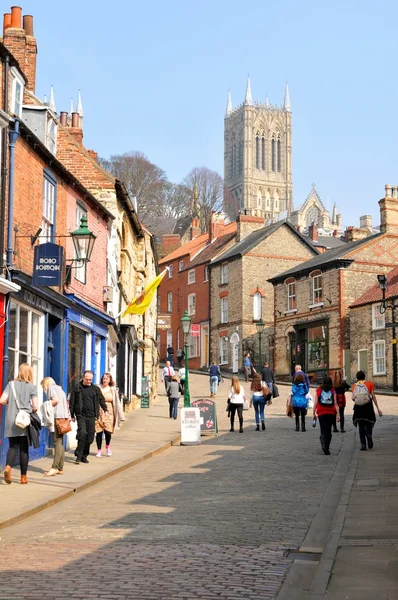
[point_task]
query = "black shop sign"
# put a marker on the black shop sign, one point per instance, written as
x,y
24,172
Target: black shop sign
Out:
x,y
47,265
208,415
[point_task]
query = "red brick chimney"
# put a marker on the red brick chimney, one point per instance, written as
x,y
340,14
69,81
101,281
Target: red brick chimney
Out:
x,y
216,225
170,242
313,232
353,234
195,228
75,128
247,224
20,41
93,154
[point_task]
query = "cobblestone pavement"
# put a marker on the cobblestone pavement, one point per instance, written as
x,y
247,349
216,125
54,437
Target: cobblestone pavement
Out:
x,y
199,522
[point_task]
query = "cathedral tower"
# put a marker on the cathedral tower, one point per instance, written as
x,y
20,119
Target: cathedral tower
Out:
x,y
258,155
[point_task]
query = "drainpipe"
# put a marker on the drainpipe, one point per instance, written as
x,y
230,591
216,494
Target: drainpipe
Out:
x,y
13,135
3,196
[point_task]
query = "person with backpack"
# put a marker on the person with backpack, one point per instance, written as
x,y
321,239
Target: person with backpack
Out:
x,y
299,400
325,408
363,396
340,387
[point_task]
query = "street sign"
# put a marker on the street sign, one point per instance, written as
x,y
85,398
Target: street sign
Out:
x,y
391,324
190,426
208,415
47,265
195,330
145,393
164,321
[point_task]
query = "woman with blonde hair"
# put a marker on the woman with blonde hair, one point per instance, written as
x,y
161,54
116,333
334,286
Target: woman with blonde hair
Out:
x,y
236,398
56,396
107,424
20,394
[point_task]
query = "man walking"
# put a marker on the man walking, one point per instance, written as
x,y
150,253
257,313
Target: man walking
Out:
x,y
84,404
267,375
167,374
298,371
247,365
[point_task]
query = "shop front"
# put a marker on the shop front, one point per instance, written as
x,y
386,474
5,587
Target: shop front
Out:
x,y
309,347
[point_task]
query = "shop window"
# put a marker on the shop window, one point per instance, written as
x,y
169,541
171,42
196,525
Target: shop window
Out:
x,y
317,289
378,318
223,351
49,200
81,268
170,302
191,276
257,306
379,357
224,273
77,355
317,348
224,310
291,296
191,304
25,343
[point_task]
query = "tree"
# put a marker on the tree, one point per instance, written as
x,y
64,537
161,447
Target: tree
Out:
x,y
206,190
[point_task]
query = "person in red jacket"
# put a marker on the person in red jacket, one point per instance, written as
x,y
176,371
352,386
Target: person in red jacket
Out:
x,y
325,408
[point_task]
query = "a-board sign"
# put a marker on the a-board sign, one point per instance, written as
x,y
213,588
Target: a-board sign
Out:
x,y
190,426
145,393
208,415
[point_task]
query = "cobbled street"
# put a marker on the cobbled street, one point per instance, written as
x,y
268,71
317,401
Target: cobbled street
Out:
x,y
199,522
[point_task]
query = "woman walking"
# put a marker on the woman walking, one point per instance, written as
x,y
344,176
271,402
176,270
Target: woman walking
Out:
x,y
325,408
261,395
173,392
340,387
105,424
19,394
299,400
56,396
236,398
215,377
363,396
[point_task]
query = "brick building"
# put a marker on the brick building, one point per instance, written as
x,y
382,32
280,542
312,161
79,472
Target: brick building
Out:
x,y
312,323
240,292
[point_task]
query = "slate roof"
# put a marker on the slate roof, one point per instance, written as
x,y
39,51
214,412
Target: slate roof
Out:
x,y
374,294
254,238
328,241
325,259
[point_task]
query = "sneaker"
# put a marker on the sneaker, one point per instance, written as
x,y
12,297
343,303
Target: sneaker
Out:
x,y
84,460
108,451
99,454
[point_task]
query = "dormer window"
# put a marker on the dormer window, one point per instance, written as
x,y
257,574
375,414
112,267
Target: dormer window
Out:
x,y
17,88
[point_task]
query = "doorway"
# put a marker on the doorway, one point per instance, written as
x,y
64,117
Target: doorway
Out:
x,y
235,352
363,360
204,350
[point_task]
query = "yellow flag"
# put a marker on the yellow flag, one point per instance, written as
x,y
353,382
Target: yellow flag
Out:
x,y
139,305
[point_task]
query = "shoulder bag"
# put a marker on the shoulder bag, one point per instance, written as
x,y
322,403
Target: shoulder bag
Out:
x,y
275,391
63,426
22,419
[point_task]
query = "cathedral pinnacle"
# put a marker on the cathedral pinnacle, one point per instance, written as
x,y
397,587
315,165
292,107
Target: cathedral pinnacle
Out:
x,y
248,97
229,104
79,108
286,104
51,102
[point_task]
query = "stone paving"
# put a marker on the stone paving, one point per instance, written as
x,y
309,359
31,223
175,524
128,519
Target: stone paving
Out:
x,y
199,522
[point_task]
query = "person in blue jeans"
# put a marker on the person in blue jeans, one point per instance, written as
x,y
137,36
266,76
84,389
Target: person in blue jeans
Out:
x,y
259,400
215,375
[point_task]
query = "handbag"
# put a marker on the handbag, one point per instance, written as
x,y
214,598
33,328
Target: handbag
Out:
x,y
266,391
275,391
22,419
63,426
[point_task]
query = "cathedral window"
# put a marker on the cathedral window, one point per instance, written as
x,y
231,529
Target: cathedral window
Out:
x,y
263,153
278,151
257,152
273,154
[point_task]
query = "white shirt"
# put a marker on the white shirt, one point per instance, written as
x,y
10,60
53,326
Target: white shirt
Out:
x,y
167,372
237,398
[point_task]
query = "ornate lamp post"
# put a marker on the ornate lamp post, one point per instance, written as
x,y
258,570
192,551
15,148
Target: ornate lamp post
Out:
x,y
260,328
83,242
186,328
382,279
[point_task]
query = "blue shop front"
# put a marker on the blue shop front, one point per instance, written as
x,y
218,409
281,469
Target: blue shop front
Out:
x,y
85,342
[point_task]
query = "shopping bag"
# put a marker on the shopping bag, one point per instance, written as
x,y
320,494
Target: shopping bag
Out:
x,y
70,437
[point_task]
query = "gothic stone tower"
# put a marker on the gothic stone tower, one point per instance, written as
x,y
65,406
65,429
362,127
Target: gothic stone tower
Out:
x,y
258,156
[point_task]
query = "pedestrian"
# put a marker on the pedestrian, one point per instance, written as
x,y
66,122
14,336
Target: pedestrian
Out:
x,y
236,398
363,396
167,374
340,387
299,401
261,395
20,394
170,355
173,392
215,378
107,424
84,404
247,366
59,408
325,408
298,371
180,354
267,376
182,374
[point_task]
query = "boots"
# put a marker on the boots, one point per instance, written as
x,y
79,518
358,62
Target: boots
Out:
x,y
302,426
370,442
257,427
297,426
263,425
7,474
24,479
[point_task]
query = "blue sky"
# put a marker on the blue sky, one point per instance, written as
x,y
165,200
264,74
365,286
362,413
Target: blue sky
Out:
x,y
154,77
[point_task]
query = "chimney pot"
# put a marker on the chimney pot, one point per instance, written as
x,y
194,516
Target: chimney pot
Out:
x,y
6,21
63,119
394,192
75,119
388,190
16,17
28,25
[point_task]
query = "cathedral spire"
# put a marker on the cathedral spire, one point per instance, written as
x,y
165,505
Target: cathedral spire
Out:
x,y
51,102
79,108
229,104
266,99
248,97
334,217
286,104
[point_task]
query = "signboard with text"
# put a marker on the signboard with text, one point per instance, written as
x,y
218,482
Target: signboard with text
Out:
x,y
164,321
195,330
190,426
47,265
208,415
145,393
